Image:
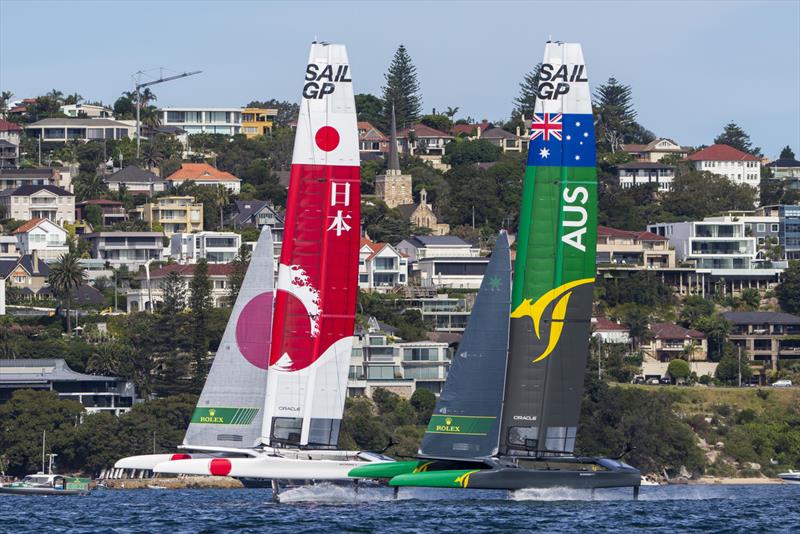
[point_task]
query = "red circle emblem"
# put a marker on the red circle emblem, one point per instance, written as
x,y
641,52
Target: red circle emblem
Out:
x,y
327,138
220,467
253,330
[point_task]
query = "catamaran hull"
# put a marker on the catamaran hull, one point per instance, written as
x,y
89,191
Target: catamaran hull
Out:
x,y
517,478
270,467
149,461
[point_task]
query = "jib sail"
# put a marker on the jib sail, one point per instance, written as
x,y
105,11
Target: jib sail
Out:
x,y
466,420
555,264
318,272
229,411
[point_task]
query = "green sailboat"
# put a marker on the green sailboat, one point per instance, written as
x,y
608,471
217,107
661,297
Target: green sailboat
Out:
x,y
508,415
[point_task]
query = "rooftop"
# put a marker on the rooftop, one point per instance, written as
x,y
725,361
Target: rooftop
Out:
x,y
422,130
72,123
607,231
762,317
132,173
6,126
33,223
674,331
43,370
200,172
437,241
27,190
784,162
721,153
644,165
214,269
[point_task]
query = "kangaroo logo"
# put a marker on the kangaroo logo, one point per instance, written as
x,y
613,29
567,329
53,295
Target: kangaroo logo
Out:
x,y
463,480
560,295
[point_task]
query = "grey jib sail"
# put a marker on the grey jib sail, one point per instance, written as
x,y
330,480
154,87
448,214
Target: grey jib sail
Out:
x,y
466,420
230,410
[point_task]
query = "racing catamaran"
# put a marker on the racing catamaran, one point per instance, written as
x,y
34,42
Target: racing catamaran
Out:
x,y
508,415
273,402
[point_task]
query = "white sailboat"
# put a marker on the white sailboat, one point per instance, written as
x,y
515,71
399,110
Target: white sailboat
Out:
x,y
273,402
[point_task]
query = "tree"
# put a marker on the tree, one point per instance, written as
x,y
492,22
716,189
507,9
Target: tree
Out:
x,y
468,152
716,328
369,108
637,319
401,91
424,401
696,195
66,275
750,299
90,186
174,294
733,135
729,367
236,278
678,369
221,198
694,308
5,97
200,304
94,215
787,153
788,291
437,122
525,103
616,118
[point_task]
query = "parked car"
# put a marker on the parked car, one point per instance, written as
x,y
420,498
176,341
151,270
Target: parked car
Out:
x,y
638,379
782,384
665,381
652,382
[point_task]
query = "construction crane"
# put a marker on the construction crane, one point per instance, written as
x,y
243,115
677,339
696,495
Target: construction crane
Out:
x,y
138,86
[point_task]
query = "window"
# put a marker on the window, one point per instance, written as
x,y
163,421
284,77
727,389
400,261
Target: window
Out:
x,y
761,227
774,228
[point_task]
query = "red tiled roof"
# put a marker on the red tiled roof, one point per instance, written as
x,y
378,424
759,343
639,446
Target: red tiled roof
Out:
x,y
604,324
721,153
607,231
422,130
199,172
370,131
6,126
214,269
100,202
673,331
28,226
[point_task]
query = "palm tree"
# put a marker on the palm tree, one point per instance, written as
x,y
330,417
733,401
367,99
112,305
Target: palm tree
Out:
x,y
74,98
151,154
5,97
221,197
89,186
66,275
56,96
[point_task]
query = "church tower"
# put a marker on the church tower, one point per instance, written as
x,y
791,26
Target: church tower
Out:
x,y
394,187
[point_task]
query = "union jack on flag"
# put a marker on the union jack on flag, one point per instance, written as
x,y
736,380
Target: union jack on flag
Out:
x,y
546,124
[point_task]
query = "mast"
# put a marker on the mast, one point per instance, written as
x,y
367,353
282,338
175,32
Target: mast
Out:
x,y
318,273
555,265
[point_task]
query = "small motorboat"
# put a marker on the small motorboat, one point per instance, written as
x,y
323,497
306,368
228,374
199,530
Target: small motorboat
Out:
x,y
791,476
47,484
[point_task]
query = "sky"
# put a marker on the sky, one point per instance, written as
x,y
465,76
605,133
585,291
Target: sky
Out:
x,y
693,66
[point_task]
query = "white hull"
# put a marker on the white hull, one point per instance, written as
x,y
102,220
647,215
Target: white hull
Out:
x,y
790,477
149,461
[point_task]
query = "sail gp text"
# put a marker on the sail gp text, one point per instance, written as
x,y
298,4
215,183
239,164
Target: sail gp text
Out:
x,y
555,84
322,81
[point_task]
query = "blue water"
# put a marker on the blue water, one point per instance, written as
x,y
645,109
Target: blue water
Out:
x,y
333,509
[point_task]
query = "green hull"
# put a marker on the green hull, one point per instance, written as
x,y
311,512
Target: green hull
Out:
x,y
385,470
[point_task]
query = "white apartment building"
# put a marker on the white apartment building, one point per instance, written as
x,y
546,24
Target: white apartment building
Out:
x,y
39,202
638,173
380,360
381,267
443,261
44,237
61,130
132,249
710,244
193,120
140,299
215,247
737,166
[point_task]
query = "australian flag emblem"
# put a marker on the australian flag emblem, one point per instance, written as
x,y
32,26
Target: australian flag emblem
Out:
x,y
562,140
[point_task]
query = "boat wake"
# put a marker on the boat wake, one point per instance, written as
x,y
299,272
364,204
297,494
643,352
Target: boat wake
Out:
x,y
647,493
330,493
